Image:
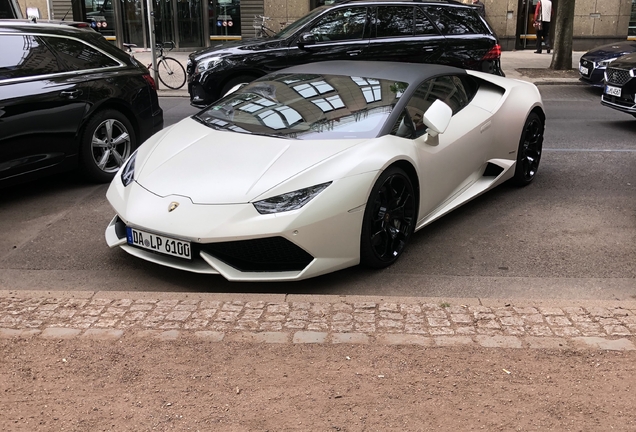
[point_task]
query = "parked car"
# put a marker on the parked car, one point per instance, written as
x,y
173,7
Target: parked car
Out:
x,y
70,99
323,166
441,32
620,85
593,63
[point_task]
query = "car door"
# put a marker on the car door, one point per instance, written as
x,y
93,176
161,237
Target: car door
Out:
x,y
41,108
453,160
404,33
340,34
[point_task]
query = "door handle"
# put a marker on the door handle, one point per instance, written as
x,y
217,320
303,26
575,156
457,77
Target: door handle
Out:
x,y
72,94
354,53
428,48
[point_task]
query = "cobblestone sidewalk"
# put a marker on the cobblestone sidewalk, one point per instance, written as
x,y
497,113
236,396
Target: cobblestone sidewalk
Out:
x,y
423,323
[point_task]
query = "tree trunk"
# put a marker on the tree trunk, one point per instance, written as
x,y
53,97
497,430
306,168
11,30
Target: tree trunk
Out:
x,y
564,28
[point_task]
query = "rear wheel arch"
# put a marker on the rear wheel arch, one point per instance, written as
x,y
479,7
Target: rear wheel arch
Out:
x,y
113,105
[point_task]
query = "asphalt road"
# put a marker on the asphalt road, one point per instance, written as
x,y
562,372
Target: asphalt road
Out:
x,y
569,235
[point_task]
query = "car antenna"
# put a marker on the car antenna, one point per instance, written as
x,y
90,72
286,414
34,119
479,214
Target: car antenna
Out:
x,y
69,9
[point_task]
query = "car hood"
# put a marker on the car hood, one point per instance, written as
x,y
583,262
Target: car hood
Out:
x,y
236,47
625,62
219,167
610,50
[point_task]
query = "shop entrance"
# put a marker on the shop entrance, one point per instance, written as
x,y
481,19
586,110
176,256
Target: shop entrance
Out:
x,y
526,33
180,21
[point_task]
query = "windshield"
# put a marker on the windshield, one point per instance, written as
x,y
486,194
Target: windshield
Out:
x,y
307,106
291,29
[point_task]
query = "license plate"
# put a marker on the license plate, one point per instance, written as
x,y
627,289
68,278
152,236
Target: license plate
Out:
x,y
584,70
613,91
157,243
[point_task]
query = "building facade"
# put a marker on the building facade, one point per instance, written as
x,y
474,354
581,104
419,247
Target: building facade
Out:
x,y
194,24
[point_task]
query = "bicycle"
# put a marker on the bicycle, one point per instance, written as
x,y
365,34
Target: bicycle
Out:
x,y
169,71
262,31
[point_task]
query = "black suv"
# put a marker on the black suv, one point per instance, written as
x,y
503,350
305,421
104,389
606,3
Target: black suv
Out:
x,y
442,32
619,91
69,99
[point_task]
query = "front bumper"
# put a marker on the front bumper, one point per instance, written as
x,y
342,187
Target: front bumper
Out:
x,y
241,244
594,75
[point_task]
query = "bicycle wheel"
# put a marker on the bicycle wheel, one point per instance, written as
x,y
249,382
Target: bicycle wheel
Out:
x,y
171,73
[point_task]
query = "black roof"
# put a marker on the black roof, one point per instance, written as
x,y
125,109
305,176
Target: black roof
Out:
x,y
66,29
453,2
404,72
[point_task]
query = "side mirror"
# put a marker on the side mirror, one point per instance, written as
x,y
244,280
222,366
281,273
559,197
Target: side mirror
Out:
x,y
306,39
437,117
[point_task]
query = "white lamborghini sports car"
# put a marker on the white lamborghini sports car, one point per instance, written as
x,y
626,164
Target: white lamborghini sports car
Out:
x,y
322,166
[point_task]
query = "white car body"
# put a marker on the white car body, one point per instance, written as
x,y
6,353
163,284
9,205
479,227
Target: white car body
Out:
x,y
214,177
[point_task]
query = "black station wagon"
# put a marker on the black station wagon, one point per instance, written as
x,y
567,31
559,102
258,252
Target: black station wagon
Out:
x,y
69,99
441,32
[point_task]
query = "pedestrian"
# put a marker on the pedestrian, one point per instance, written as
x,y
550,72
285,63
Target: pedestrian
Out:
x,y
481,8
542,16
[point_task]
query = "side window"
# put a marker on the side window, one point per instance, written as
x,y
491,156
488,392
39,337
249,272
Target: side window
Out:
x,y
423,26
75,55
449,89
25,56
456,20
394,21
341,24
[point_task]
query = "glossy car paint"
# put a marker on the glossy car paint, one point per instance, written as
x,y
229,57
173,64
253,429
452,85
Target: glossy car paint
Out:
x,y
622,74
227,172
592,60
256,57
43,116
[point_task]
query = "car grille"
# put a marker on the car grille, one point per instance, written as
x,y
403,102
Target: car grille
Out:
x,y
259,255
617,76
190,67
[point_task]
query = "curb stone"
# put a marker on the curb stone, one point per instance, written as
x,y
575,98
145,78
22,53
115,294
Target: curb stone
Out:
x,y
490,323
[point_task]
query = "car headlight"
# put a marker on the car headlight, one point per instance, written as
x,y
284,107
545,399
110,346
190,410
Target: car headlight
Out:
x,y
289,201
128,173
208,63
605,63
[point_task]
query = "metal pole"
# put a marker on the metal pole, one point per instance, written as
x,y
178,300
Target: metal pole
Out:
x,y
151,31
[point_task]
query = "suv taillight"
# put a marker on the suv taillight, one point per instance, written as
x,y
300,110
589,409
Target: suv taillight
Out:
x,y
494,53
150,81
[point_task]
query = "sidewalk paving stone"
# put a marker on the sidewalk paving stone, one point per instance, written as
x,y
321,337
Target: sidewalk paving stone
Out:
x,y
418,323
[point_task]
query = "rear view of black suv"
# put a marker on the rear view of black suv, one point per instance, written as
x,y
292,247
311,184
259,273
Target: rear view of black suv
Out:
x,y
442,32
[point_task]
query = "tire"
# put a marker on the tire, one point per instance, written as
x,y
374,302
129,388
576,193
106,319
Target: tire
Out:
x,y
242,79
389,219
171,73
107,141
529,152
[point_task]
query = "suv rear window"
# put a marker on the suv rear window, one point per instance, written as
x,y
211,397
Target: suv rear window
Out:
x,y
76,55
456,21
25,56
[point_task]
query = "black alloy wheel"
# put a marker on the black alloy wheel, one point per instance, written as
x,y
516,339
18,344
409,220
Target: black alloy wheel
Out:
x,y
389,219
529,153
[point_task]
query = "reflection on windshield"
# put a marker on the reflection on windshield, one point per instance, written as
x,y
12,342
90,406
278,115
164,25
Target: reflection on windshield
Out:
x,y
307,106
